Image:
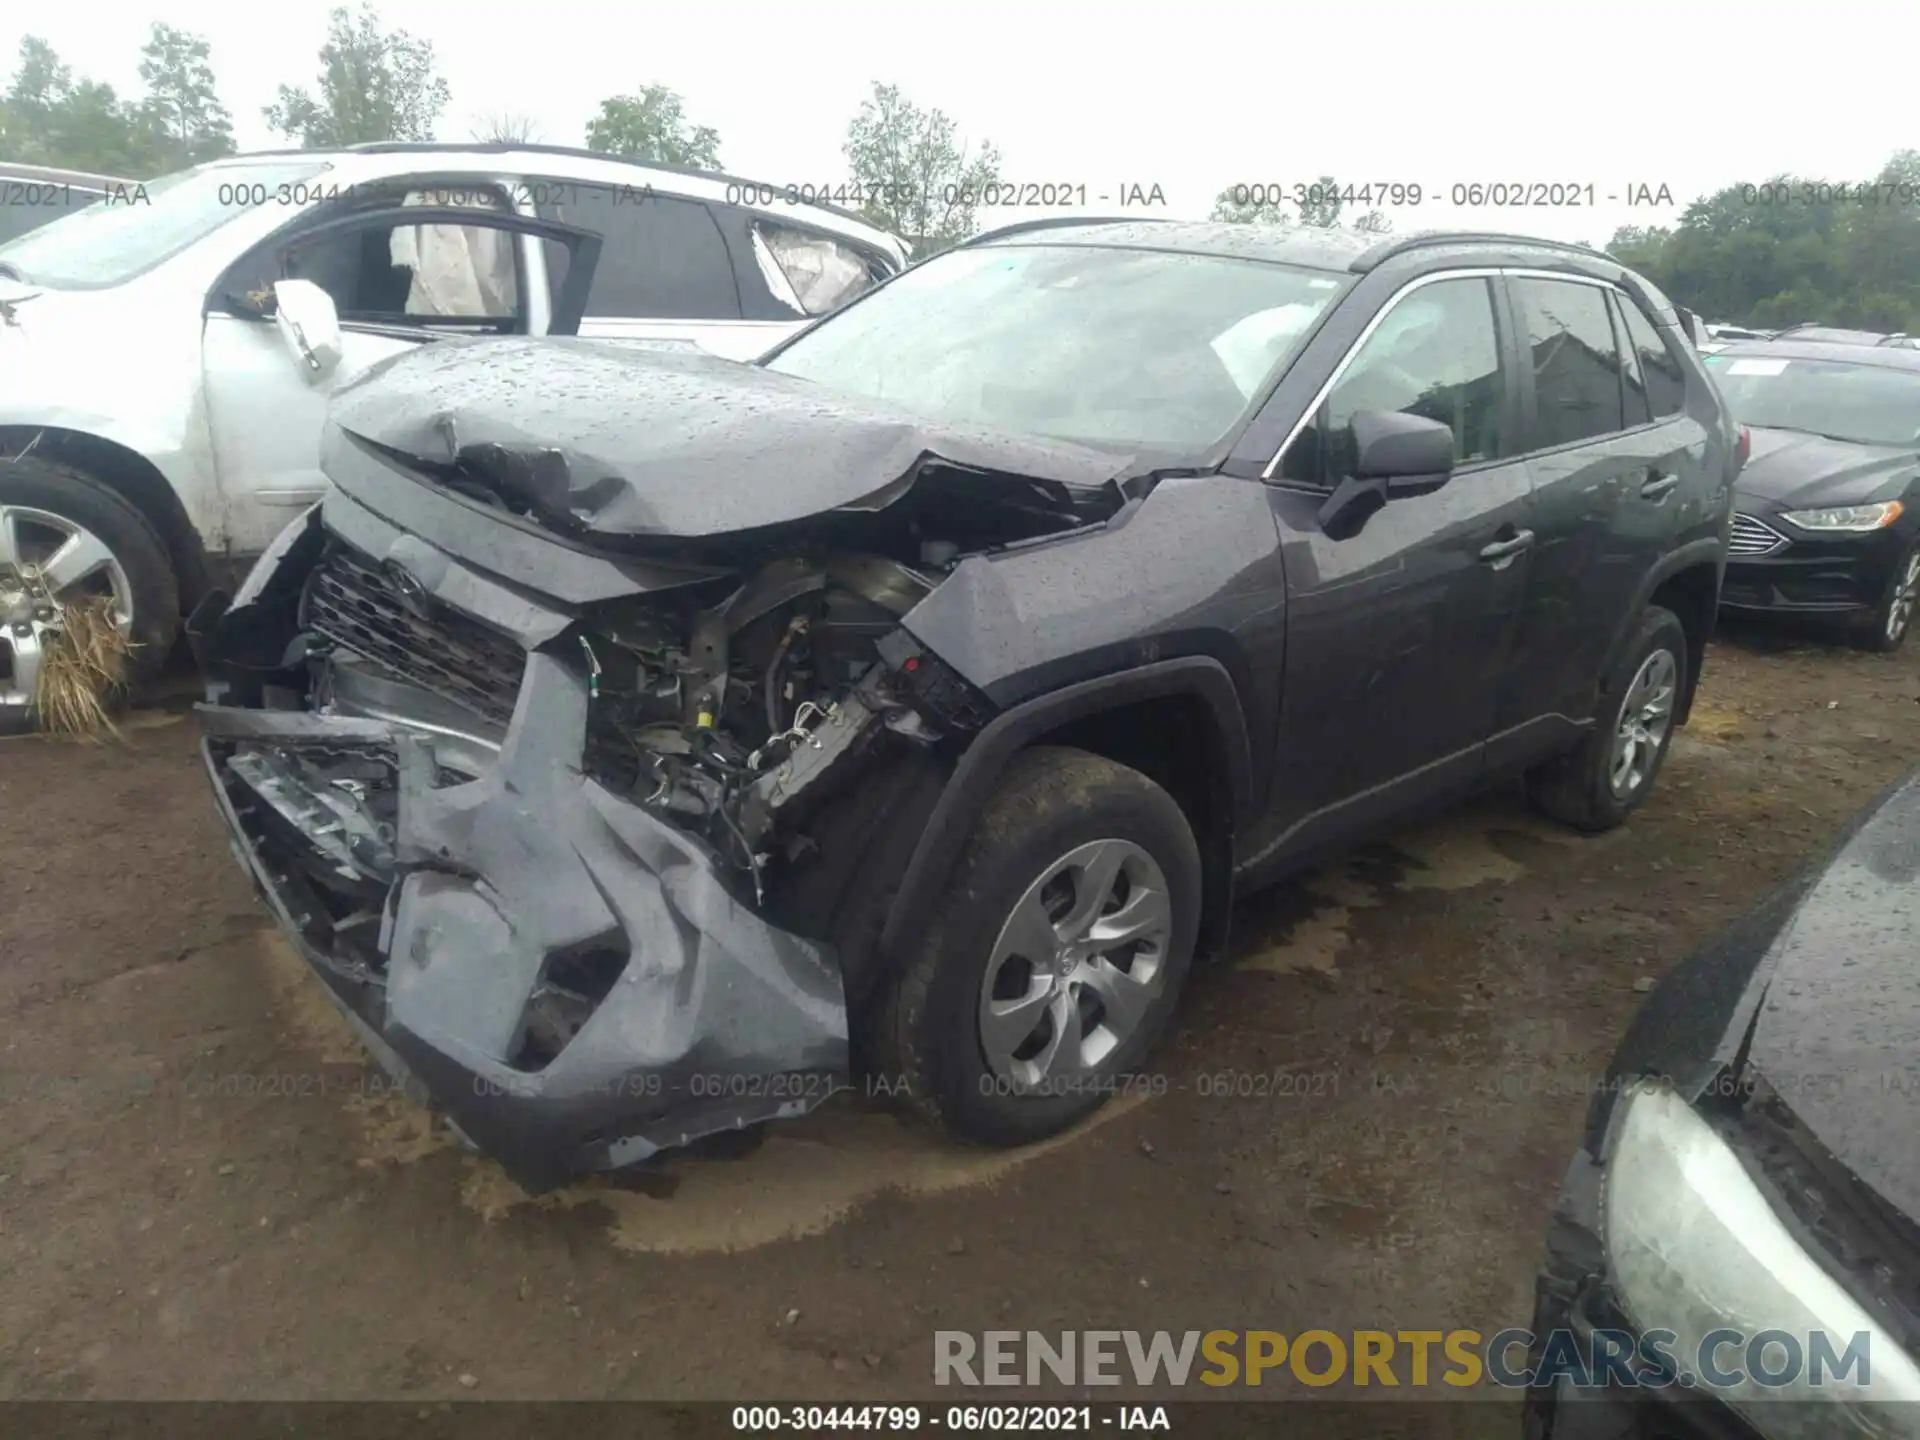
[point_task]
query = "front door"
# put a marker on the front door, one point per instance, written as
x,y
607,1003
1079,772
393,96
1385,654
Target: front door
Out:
x,y
399,276
1398,637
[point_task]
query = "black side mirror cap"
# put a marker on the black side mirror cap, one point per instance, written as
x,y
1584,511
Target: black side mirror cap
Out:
x,y
1395,457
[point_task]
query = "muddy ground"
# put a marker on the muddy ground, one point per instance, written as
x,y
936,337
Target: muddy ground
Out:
x,y
205,1193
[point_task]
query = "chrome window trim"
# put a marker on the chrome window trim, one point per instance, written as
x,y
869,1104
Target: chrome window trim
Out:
x,y
1496,272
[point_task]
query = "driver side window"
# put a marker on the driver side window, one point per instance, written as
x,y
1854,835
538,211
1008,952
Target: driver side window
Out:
x,y
1436,354
445,276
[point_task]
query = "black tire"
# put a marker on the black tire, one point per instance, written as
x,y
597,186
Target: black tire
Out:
x,y
1872,635
922,1030
45,484
1576,788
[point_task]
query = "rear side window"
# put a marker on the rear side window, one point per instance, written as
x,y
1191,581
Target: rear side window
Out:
x,y
662,257
1637,412
1576,363
1665,381
807,272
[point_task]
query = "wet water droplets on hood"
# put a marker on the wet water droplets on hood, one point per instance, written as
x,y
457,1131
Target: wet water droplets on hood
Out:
x,y
664,442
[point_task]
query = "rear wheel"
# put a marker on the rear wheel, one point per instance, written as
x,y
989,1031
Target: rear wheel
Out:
x,y
1054,961
67,538
1599,784
1893,617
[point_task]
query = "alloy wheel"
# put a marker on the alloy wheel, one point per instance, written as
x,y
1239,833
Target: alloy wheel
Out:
x,y
1077,966
1646,714
47,561
1906,593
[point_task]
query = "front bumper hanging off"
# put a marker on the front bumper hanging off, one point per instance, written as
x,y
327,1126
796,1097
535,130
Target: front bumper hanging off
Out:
x,y
567,977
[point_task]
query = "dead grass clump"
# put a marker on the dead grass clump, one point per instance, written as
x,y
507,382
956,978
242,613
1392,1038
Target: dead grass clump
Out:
x,y
83,671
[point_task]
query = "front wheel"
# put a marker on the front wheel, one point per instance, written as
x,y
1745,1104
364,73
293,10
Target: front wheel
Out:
x,y
1054,961
67,538
1606,778
1893,617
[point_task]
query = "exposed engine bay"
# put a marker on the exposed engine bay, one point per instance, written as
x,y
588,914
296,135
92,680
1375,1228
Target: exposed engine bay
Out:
x,y
730,708
733,720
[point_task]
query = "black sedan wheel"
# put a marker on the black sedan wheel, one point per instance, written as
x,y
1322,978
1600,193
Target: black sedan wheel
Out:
x,y
1894,617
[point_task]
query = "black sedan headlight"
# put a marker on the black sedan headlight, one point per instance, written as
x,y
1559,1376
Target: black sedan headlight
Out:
x,y
1845,519
1695,1247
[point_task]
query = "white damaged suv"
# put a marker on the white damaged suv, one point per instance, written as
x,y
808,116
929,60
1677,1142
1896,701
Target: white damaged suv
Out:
x,y
166,355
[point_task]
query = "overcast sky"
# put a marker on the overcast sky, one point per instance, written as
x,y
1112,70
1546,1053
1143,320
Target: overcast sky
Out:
x,y
1188,95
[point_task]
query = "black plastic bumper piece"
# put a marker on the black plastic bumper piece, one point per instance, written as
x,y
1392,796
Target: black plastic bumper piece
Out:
x,y
716,1019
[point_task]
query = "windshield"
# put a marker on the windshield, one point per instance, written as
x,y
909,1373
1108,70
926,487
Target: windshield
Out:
x,y
134,229
1138,348
1868,404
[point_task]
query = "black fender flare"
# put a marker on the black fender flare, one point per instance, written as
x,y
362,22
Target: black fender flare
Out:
x,y
1708,549
973,779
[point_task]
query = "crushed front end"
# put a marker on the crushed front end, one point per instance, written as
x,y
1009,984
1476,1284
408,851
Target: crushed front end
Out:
x,y
575,868
580,738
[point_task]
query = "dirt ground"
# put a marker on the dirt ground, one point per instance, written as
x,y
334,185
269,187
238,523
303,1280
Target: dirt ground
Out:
x,y
205,1193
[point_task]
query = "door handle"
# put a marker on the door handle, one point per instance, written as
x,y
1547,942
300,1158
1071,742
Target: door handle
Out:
x,y
1659,487
1501,551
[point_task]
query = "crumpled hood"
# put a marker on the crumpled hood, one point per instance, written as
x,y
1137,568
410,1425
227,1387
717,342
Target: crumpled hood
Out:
x,y
606,440
1803,471
1834,1034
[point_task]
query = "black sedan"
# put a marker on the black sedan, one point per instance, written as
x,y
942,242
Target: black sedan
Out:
x,y
1737,1244
1827,508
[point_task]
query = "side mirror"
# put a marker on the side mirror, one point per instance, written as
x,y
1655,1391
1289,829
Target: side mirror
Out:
x,y
1395,457
309,324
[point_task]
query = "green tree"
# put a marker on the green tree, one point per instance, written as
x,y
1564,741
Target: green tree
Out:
x,y
52,118
1322,205
1789,249
916,177
41,85
506,127
652,125
94,129
186,123
1236,206
373,85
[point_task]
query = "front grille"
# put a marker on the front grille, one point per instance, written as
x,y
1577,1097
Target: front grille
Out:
x,y
1754,537
356,605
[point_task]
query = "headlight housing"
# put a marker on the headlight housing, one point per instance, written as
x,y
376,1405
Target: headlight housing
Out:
x,y
1694,1246
1846,517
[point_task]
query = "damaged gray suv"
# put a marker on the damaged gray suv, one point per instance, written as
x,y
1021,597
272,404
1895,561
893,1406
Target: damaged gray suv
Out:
x,y
643,745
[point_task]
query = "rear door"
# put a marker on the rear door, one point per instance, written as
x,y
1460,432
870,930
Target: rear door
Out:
x,y
680,272
400,275
666,275
1611,455
1398,637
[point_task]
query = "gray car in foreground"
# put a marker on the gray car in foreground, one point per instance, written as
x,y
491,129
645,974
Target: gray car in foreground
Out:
x,y
1736,1249
640,744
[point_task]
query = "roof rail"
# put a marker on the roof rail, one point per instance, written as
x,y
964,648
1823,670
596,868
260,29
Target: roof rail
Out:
x,y
1388,249
54,175
575,152
1021,227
